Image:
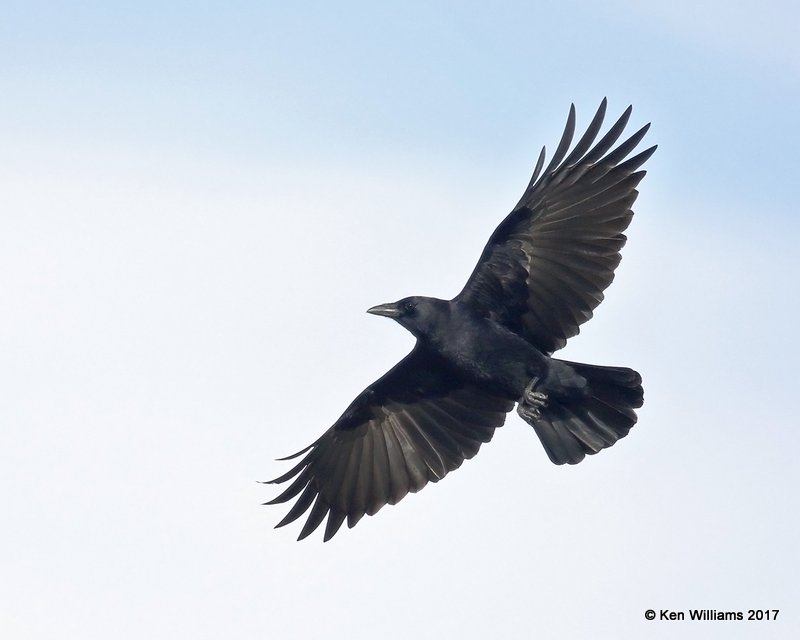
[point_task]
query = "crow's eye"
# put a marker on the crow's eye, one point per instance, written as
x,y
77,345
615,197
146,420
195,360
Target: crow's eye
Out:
x,y
408,307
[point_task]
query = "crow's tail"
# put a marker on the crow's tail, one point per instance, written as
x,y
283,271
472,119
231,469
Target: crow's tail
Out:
x,y
570,428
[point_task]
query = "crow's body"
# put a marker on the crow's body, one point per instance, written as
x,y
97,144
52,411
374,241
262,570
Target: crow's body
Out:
x,y
478,349
540,276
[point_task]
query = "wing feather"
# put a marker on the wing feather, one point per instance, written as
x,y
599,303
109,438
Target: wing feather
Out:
x,y
315,518
413,426
546,266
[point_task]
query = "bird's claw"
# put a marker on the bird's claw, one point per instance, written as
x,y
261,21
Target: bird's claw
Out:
x,y
528,413
532,402
535,398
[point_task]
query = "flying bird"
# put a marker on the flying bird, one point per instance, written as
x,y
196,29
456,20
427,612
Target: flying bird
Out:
x,y
539,278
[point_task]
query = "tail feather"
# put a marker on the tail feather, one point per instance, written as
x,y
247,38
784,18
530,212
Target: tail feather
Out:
x,y
570,429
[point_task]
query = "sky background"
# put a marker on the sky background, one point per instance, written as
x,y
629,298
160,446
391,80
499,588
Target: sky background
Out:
x,y
198,202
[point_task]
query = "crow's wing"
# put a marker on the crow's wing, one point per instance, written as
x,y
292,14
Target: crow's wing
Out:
x,y
546,266
415,424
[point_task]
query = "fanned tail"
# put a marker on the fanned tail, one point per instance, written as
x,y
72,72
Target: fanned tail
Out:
x,y
596,419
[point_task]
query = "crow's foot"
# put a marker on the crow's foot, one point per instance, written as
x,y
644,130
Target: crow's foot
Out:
x,y
528,413
536,399
532,402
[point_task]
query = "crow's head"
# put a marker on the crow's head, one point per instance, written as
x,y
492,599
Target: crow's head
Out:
x,y
418,314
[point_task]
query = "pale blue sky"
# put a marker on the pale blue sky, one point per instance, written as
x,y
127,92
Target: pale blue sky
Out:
x,y
185,188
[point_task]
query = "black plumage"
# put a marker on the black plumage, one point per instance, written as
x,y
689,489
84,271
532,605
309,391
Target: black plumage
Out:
x,y
540,276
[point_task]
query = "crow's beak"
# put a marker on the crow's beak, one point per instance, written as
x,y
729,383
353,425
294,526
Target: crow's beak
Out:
x,y
390,310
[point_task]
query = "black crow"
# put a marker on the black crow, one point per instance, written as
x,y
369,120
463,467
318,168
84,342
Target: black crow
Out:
x,y
539,278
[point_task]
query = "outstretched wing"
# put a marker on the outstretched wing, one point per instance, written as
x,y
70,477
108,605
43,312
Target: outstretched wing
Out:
x,y
414,425
546,266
